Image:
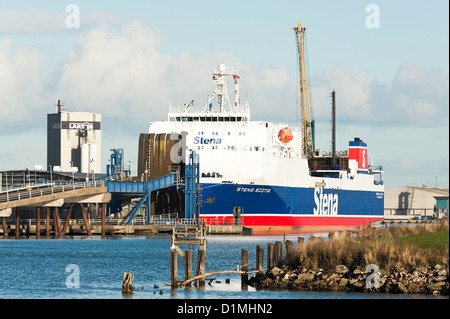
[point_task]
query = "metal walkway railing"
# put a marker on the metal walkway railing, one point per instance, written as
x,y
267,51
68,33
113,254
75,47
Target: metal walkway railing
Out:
x,y
37,190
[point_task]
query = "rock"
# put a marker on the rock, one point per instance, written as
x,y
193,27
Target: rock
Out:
x,y
266,283
442,272
435,279
352,282
437,267
343,282
402,288
436,287
275,271
404,282
359,284
413,288
341,269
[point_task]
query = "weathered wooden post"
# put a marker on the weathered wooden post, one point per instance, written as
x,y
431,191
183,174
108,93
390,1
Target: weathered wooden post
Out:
x,y
201,266
5,227
278,253
270,255
259,257
38,222
173,269
47,222
103,220
66,221
17,231
127,283
86,222
188,266
244,261
55,221
289,250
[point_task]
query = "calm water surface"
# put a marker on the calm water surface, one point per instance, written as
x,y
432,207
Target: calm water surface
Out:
x,y
32,268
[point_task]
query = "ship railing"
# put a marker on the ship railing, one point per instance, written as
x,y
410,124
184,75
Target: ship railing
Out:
x,y
223,220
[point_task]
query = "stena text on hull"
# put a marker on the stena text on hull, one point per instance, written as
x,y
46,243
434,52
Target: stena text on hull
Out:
x,y
255,172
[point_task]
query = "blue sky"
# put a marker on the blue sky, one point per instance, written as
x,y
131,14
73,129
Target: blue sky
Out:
x,y
391,82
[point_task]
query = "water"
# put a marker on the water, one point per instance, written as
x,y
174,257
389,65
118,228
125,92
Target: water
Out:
x,y
36,269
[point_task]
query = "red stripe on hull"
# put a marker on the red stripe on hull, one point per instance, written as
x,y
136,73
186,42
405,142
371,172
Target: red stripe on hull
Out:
x,y
294,224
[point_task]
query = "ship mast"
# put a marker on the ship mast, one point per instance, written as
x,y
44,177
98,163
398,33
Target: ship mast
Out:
x,y
307,124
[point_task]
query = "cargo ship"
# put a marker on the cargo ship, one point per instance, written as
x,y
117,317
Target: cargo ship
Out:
x,y
255,173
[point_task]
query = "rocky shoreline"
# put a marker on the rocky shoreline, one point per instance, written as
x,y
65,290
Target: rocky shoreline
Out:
x,y
433,280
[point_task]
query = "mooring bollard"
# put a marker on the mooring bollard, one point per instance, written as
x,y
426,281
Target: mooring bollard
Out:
x,y
127,283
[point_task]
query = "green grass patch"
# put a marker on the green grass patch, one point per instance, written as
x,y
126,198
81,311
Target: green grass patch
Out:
x,y
431,241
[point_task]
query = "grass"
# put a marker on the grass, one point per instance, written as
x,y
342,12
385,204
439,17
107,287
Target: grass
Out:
x,y
390,248
430,241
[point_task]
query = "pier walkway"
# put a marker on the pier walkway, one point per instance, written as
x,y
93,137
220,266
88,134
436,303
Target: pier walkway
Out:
x,y
53,195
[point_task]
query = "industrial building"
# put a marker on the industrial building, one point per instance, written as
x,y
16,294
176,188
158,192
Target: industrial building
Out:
x,y
411,202
74,141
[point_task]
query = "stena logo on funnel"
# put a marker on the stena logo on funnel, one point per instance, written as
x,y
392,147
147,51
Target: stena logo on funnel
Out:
x,y
326,204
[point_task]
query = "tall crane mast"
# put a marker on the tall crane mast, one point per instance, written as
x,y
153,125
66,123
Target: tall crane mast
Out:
x,y
307,124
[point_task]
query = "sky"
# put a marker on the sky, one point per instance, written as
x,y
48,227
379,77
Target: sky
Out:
x,y
386,60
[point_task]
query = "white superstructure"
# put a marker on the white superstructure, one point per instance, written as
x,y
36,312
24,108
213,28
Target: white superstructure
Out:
x,y
232,148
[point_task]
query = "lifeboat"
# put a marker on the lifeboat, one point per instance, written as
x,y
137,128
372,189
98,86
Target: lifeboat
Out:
x,y
285,135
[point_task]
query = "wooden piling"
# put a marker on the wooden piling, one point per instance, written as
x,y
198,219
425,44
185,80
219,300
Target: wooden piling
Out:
x,y
278,253
244,261
289,250
188,266
201,266
55,221
17,230
127,283
103,220
86,222
259,257
38,222
270,255
5,227
173,269
66,221
47,222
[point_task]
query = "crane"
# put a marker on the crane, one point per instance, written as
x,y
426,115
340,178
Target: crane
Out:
x,y
307,124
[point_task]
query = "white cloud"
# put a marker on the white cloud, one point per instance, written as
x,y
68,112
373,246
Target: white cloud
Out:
x,y
122,73
21,84
416,97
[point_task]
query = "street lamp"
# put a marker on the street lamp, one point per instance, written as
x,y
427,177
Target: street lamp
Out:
x,y
51,177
